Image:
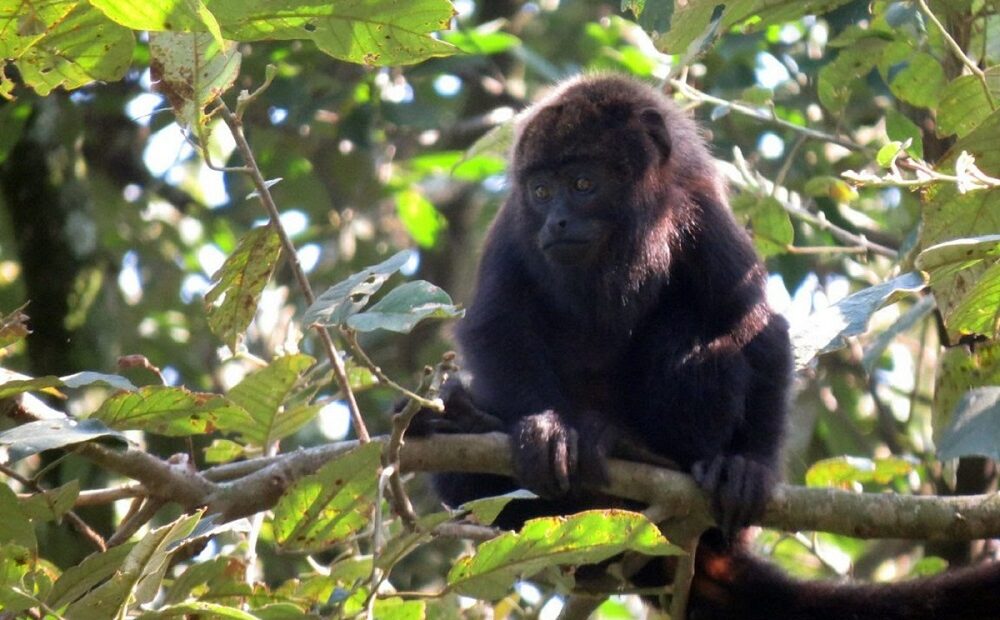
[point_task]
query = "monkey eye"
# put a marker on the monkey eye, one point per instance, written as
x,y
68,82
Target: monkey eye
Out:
x,y
541,192
583,184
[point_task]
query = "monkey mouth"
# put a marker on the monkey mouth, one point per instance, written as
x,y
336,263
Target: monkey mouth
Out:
x,y
568,251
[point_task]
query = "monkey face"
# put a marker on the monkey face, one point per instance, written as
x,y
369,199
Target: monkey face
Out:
x,y
571,207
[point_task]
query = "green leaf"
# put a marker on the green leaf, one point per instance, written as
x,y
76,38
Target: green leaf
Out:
x,y
371,32
198,609
232,302
51,505
844,471
487,509
172,411
965,275
964,105
223,451
769,222
14,326
900,129
351,295
420,218
188,16
484,40
690,19
974,429
888,154
832,188
396,608
405,306
959,370
828,329
15,527
585,538
262,418
139,577
12,383
192,70
34,437
837,79
64,43
921,82
82,578
327,507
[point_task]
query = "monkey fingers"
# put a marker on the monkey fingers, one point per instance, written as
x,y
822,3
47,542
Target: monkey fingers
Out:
x,y
545,454
739,487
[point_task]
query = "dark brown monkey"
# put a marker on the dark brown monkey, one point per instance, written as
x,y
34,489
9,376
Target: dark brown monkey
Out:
x,y
618,298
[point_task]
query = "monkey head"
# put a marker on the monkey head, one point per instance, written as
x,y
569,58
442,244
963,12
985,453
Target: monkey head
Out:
x,y
586,156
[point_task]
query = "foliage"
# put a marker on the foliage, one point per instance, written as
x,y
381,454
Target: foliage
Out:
x,y
208,472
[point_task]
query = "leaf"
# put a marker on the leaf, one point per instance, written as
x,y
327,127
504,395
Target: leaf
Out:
x,y
420,218
920,310
14,326
828,329
188,16
325,508
261,419
198,609
964,104
965,275
51,505
959,370
192,70
12,383
838,78
405,306
844,471
920,82
899,128
351,295
371,32
172,411
64,43
974,429
689,19
485,40
487,509
585,538
82,578
35,437
15,527
232,302
139,577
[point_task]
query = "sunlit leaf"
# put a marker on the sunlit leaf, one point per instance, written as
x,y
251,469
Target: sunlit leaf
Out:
x,y
351,295
52,504
13,327
82,578
191,70
61,43
405,306
844,471
419,216
262,418
828,329
584,538
164,410
139,577
325,508
34,437
959,370
232,302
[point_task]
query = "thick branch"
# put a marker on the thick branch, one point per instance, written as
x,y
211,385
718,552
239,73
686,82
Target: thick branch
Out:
x,y
246,488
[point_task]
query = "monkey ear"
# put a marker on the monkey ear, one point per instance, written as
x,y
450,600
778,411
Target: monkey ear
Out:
x,y
652,121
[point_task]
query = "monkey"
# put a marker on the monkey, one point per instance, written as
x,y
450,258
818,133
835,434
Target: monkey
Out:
x,y
618,301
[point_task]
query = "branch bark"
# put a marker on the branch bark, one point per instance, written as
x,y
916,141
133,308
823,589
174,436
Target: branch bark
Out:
x,y
246,488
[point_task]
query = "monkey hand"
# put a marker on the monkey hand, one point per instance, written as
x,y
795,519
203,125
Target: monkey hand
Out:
x,y
554,459
739,488
545,453
460,415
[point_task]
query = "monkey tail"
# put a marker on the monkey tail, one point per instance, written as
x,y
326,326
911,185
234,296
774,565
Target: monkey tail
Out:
x,y
732,584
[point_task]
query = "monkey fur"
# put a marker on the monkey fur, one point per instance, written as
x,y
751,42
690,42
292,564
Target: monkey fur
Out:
x,y
618,299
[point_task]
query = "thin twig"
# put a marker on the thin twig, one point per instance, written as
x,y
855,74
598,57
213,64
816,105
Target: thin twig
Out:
x,y
682,580
699,97
959,52
351,337
235,125
74,519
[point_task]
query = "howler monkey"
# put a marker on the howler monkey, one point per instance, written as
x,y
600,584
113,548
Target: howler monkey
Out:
x,y
617,298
